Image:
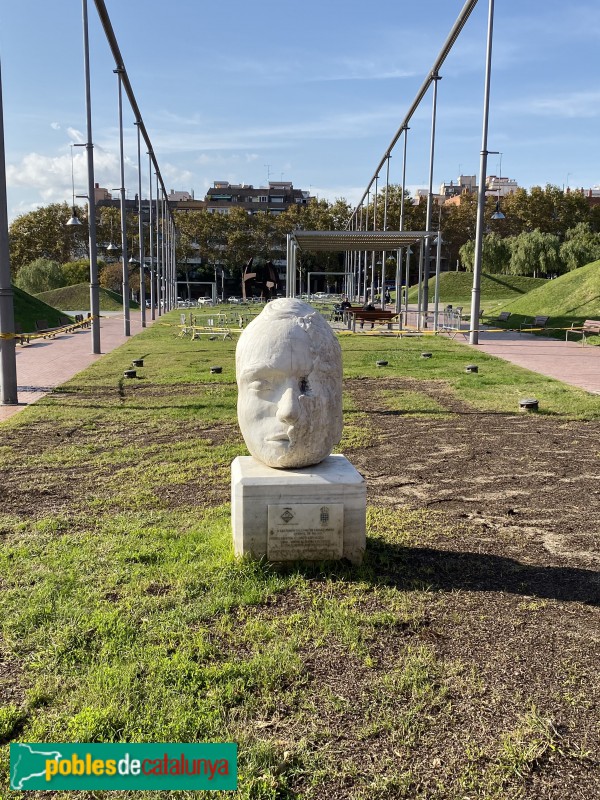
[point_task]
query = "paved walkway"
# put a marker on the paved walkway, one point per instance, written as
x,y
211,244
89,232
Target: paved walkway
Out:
x,y
46,363
569,362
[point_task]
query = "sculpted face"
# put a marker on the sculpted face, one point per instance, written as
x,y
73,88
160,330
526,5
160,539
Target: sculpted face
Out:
x,y
289,373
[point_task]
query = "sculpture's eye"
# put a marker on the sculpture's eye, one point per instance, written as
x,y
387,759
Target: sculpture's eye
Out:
x,y
304,386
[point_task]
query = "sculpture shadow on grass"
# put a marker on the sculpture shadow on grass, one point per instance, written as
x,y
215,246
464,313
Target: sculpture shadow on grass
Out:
x,y
436,570
413,568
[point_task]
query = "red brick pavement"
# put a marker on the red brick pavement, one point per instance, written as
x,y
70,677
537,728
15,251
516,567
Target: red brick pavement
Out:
x,y
569,362
46,363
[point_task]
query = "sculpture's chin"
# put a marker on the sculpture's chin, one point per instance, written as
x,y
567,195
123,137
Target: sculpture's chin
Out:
x,y
292,458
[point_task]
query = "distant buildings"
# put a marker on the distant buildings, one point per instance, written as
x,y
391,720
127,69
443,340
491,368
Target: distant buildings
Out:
x,y
222,197
451,193
500,187
274,198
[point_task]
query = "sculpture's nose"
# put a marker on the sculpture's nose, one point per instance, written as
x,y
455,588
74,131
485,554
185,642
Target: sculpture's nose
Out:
x,y
288,407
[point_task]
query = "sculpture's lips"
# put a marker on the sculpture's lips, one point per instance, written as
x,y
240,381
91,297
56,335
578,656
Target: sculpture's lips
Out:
x,y
279,437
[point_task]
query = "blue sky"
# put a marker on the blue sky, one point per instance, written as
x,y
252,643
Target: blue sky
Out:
x,y
311,92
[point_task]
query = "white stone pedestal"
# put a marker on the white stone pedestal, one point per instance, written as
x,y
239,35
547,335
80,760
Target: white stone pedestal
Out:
x,y
310,514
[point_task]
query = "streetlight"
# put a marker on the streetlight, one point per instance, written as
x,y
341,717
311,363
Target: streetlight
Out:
x,y
476,290
74,219
497,213
94,285
126,318
8,358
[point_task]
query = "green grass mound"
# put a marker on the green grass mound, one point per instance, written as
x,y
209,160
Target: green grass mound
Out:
x,y
77,298
28,309
496,290
572,298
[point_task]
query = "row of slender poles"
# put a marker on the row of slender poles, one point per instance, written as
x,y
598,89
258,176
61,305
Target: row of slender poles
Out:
x,y
357,262
162,231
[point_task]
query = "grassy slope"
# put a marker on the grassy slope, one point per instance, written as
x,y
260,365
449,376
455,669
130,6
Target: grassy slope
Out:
x,y
574,295
28,309
572,298
496,290
77,298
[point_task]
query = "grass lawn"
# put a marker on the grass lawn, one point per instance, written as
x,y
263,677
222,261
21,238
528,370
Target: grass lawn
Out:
x,y
125,616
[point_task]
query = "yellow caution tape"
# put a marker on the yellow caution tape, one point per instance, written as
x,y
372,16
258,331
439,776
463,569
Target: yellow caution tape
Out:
x,y
50,332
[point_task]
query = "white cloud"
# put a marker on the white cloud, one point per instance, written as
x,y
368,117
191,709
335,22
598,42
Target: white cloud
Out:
x,y
76,135
175,175
567,105
55,126
50,176
219,135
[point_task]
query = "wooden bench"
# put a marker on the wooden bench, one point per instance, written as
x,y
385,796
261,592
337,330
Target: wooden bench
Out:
x,y
379,315
502,316
591,327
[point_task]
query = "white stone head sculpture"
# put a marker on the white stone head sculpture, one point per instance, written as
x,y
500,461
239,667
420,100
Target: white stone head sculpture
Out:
x,y
289,374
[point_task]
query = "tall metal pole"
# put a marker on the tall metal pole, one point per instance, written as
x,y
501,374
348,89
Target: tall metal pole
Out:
x,y
399,283
475,293
373,252
365,254
172,272
438,261
159,296
89,148
408,255
8,356
141,229
385,210
425,294
151,244
165,265
125,284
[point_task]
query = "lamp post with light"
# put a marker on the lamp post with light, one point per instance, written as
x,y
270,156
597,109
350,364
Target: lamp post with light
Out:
x,y
8,356
476,290
89,147
74,221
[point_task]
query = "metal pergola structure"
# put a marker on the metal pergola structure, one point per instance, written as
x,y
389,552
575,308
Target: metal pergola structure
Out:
x,y
352,241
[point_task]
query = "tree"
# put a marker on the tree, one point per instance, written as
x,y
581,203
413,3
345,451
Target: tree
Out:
x,y
495,254
534,254
43,234
581,246
111,277
74,272
41,275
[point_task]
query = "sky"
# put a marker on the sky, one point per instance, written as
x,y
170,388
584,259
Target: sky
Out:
x,y
311,92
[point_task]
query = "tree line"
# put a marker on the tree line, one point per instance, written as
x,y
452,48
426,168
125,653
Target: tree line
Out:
x,y
544,231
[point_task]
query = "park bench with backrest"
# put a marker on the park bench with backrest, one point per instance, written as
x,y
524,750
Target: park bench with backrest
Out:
x,y
380,315
41,327
502,316
538,322
591,327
